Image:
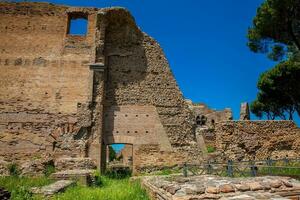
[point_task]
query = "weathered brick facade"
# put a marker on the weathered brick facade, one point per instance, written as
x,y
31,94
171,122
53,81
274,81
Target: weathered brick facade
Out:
x,y
65,95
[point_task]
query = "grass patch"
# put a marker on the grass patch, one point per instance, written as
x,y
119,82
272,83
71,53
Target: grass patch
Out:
x,y
19,186
110,189
13,169
210,149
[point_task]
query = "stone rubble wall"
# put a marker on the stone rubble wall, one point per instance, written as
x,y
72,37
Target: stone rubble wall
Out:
x,y
246,140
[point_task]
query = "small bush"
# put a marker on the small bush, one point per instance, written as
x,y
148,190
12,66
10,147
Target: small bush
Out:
x,y
210,149
14,169
98,179
49,169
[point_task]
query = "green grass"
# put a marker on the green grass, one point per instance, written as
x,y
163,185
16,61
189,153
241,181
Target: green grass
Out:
x,y
210,149
19,186
111,189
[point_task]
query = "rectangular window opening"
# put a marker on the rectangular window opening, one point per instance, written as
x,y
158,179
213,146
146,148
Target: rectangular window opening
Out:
x,y
77,24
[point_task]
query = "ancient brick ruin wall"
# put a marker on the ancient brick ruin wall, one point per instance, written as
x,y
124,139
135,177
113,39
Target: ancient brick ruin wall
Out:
x,y
52,104
211,116
139,75
206,118
244,140
44,81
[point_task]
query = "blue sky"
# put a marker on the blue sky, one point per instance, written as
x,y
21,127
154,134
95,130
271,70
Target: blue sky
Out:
x,y
205,43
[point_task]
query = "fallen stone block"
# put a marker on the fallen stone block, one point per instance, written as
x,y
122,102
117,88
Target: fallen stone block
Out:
x,y
84,177
58,186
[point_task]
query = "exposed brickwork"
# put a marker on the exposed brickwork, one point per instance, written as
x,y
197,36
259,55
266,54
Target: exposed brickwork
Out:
x,y
245,140
53,105
207,117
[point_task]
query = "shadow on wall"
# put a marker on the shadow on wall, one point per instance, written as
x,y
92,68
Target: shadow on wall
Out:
x,y
126,67
125,58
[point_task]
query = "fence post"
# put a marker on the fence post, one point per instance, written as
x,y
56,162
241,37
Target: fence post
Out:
x,y
230,168
209,168
286,161
269,164
185,170
253,168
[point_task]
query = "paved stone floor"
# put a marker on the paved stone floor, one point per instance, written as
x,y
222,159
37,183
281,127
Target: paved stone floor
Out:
x,y
225,188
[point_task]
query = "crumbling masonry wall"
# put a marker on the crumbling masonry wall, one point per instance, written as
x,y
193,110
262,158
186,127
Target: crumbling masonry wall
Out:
x,y
248,140
206,119
53,105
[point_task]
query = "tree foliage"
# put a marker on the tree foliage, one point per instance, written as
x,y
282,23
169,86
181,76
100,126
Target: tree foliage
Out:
x,y
276,32
275,26
279,91
112,153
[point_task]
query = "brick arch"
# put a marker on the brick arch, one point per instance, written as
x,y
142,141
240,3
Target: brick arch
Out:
x,y
119,139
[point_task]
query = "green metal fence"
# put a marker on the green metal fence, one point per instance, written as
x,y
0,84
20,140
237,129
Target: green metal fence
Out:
x,y
273,167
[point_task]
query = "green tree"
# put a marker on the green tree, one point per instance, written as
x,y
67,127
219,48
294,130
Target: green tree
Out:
x,y
279,92
276,32
275,28
112,153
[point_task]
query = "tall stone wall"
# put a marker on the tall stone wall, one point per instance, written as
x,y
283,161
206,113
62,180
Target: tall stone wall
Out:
x,y
45,83
245,140
52,104
140,81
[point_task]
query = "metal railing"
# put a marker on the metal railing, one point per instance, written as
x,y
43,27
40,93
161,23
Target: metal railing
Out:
x,y
278,167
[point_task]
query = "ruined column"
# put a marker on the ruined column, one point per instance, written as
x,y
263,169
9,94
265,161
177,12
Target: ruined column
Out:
x,y
244,112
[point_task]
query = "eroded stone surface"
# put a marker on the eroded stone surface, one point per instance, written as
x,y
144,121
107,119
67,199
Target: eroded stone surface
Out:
x,y
214,187
53,188
83,176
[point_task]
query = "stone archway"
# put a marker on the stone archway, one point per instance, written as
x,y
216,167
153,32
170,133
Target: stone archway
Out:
x,y
127,157
119,139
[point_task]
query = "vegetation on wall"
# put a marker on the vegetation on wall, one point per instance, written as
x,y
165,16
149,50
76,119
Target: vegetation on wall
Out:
x,y
275,32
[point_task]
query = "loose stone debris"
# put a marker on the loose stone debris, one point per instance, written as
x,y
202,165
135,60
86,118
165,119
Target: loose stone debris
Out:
x,y
4,194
